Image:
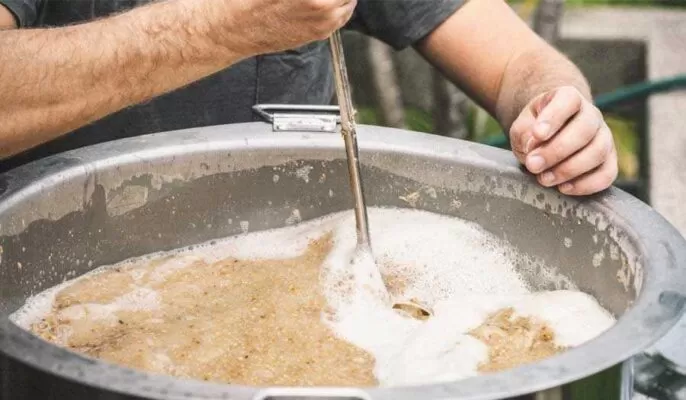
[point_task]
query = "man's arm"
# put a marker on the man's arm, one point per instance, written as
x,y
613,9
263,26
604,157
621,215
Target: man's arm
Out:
x,y
6,19
533,90
53,81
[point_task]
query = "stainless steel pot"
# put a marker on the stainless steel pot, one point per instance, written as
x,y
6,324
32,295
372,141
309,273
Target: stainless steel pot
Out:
x,y
62,216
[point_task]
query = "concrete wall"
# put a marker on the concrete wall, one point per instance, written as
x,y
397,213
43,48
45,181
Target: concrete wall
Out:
x,y
664,34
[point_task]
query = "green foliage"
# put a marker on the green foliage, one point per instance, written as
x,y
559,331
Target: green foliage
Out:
x,y
626,137
367,116
415,119
419,120
482,126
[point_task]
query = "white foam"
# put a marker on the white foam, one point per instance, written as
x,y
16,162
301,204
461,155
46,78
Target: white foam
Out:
x,y
575,317
36,307
441,349
459,270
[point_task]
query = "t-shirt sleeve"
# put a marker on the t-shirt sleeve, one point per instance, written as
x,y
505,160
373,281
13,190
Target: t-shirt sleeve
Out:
x,y
401,23
25,11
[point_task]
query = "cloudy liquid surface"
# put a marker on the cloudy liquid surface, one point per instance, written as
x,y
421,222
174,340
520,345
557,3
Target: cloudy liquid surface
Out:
x,y
457,269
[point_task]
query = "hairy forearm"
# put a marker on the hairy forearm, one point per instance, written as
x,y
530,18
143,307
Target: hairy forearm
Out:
x,y
53,81
533,73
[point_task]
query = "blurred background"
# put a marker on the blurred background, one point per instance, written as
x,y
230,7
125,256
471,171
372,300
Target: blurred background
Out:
x,y
610,40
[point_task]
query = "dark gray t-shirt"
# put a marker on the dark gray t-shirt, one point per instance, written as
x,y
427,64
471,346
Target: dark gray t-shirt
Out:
x,y
300,76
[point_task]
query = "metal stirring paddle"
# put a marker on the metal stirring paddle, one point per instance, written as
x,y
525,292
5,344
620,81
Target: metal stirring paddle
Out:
x,y
350,137
349,133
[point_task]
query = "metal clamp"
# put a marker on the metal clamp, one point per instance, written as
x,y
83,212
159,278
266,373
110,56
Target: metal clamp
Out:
x,y
310,118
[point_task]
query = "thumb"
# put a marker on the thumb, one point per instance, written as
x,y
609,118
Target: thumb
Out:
x,y
522,139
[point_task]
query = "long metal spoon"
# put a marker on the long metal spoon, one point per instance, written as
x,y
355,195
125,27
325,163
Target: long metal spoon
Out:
x,y
349,132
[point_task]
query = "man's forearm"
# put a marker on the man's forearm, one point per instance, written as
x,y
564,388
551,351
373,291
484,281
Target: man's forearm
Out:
x,y
53,81
6,19
538,96
531,74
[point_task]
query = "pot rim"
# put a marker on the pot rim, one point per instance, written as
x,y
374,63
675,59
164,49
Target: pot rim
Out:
x,y
656,309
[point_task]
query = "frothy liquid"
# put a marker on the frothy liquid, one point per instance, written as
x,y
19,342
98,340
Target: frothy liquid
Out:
x,y
289,307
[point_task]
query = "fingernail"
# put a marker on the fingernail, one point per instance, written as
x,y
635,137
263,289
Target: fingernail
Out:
x,y
566,187
542,129
547,178
535,163
529,143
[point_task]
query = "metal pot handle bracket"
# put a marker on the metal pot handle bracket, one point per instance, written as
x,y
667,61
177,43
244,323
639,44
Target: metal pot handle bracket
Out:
x,y
308,118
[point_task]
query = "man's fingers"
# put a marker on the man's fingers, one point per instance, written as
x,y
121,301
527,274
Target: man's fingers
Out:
x,y
345,12
329,15
594,181
574,136
521,138
554,110
599,150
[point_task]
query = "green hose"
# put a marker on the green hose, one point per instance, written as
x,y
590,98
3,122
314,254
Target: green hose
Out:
x,y
621,95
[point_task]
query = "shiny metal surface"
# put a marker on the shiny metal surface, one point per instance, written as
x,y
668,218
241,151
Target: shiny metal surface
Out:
x,y
63,216
349,132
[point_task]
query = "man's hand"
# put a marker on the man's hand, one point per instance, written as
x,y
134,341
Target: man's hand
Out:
x,y
562,138
266,26
6,19
519,72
